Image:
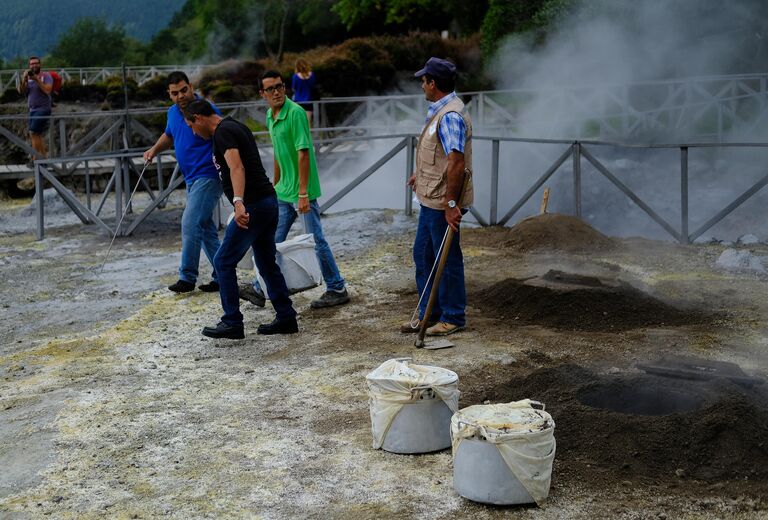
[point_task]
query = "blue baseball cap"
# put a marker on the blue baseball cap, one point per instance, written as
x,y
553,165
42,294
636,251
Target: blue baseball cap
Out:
x,y
437,68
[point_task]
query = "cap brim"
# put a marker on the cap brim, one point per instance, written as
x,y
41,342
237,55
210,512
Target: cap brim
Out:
x,y
421,73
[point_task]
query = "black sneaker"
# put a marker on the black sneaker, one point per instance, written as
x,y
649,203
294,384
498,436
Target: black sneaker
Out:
x,y
222,330
330,299
182,286
212,286
279,327
248,293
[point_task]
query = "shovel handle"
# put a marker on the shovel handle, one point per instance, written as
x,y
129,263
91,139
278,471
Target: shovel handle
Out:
x,y
443,259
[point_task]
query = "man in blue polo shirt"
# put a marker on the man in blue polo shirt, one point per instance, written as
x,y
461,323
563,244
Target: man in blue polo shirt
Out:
x,y
203,185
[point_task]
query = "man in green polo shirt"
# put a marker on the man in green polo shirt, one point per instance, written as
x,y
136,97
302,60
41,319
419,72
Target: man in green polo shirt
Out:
x,y
296,182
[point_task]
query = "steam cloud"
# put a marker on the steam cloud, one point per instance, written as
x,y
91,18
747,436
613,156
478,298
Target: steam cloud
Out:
x,y
606,70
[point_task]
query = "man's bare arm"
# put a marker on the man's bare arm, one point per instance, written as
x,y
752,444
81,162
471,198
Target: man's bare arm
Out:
x,y
164,142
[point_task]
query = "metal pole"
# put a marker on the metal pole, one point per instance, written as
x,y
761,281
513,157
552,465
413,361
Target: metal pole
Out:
x,y
127,186
494,181
118,192
577,178
127,114
62,137
684,195
409,156
87,185
51,138
40,202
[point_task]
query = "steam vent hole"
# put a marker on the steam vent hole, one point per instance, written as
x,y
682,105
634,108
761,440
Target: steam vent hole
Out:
x,y
641,398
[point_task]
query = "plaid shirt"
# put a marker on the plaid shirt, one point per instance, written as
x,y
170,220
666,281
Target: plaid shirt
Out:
x,y
452,129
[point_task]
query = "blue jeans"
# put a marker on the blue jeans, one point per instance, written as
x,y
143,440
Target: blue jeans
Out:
x,y
197,227
288,214
260,236
451,294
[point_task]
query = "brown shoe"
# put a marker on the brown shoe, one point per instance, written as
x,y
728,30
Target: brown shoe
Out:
x,y
443,329
406,328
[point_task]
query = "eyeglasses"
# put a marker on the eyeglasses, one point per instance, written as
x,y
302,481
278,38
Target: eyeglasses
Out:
x,y
273,88
182,90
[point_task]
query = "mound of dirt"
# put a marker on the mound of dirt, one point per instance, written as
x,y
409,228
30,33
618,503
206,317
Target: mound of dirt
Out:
x,y
720,433
578,302
551,232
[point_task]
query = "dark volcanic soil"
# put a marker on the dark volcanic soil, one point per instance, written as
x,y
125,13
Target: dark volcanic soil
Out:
x,y
587,305
672,428
548,232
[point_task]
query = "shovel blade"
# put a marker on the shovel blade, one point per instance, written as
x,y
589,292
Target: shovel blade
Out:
x,y
437,344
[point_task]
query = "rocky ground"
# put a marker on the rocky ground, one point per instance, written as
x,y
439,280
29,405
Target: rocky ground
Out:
x,y
113,404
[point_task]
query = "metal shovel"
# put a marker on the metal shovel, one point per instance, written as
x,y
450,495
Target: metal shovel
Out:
x,y
439,343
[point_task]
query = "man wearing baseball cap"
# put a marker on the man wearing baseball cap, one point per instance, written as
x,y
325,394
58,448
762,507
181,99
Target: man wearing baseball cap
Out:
x,y
443,158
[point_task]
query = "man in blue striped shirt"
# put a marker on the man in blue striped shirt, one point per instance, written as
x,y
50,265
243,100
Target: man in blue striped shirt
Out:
x,y
443,159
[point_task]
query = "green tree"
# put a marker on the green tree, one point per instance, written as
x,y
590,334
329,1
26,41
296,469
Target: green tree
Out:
x,y
512,16
90,42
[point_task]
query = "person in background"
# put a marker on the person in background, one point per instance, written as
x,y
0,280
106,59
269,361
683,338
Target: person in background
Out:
x,y
203,186
37,86
303,86
296,183
236,156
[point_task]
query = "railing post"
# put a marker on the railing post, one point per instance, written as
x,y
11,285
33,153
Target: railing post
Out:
x,y
118,193
40,202
481,109
316,114
494,182
62,137
51,136
87,185
684,195
577,178
409,157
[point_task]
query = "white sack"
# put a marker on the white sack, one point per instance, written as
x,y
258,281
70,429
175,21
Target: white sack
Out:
x,y
298,262
524,436
396,383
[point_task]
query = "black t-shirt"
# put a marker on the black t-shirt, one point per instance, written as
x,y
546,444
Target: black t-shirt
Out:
x,y
233,134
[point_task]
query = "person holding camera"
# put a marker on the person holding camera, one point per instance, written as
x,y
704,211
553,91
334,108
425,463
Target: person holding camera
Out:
x,y
37,86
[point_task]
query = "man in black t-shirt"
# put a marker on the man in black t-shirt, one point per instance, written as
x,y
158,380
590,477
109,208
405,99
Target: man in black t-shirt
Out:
x,y
247,187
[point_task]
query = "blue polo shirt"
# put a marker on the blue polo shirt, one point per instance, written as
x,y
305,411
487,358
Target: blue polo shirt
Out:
x,y
193,153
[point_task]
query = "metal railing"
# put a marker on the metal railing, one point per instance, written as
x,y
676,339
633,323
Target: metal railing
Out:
x,y
698,108
123,164
11,78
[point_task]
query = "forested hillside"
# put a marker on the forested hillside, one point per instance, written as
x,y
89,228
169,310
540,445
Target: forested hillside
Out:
x,y
34,26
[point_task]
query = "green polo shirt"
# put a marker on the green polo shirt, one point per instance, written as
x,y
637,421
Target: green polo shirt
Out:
x,y
290,133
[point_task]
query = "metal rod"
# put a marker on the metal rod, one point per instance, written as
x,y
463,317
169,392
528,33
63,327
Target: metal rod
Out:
x,y
629,193
118,191
684,195
106,191
40,202
494,181
87,185
409,158
729,208
367,173
577,179
528,194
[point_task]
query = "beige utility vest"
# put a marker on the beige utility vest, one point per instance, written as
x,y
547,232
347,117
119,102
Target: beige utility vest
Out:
x,y
432,162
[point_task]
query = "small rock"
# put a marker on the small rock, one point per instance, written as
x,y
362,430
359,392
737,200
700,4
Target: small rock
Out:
x,y
680,473
747,240
152,365
249,371
614,370
57,499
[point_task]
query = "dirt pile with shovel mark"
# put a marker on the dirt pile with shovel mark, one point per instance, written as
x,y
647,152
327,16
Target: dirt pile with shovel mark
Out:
x,y
548,232
576,302
620,426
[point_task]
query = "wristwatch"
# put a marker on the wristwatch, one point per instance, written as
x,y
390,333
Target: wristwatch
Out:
x,y
451,203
